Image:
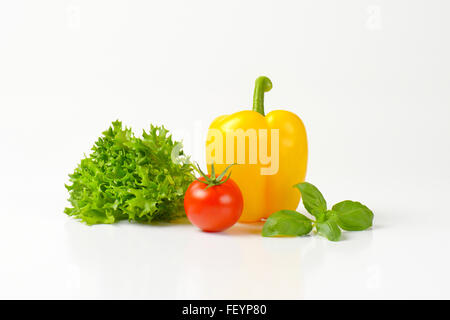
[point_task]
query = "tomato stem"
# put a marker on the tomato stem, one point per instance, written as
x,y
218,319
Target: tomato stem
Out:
x,y
213,180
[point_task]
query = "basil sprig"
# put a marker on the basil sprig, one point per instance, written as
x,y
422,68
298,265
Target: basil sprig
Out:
x,y
347,215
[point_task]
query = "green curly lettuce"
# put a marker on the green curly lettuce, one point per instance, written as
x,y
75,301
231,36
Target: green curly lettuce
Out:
x,y
132,178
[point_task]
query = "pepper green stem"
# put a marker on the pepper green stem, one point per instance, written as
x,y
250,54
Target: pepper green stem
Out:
x,y
262,84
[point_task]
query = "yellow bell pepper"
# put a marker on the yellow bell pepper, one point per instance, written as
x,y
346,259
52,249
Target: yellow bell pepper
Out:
x,y
271,151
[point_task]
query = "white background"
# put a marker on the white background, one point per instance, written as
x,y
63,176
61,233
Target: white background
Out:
x,y
370,79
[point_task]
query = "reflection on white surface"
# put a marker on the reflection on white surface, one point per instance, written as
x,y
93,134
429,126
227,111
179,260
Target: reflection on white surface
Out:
x,y
180,262
238,263
374,278
142,261
63,258
333,267
123,260
73,277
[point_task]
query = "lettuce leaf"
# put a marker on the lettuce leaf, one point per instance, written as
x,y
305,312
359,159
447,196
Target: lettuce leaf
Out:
x,y
132,178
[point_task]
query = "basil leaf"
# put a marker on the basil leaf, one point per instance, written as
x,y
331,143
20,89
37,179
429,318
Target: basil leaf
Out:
x,y
287,223
329,229
312,199
353,216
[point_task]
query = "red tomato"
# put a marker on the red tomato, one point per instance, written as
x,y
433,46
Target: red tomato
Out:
x,y
214,209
